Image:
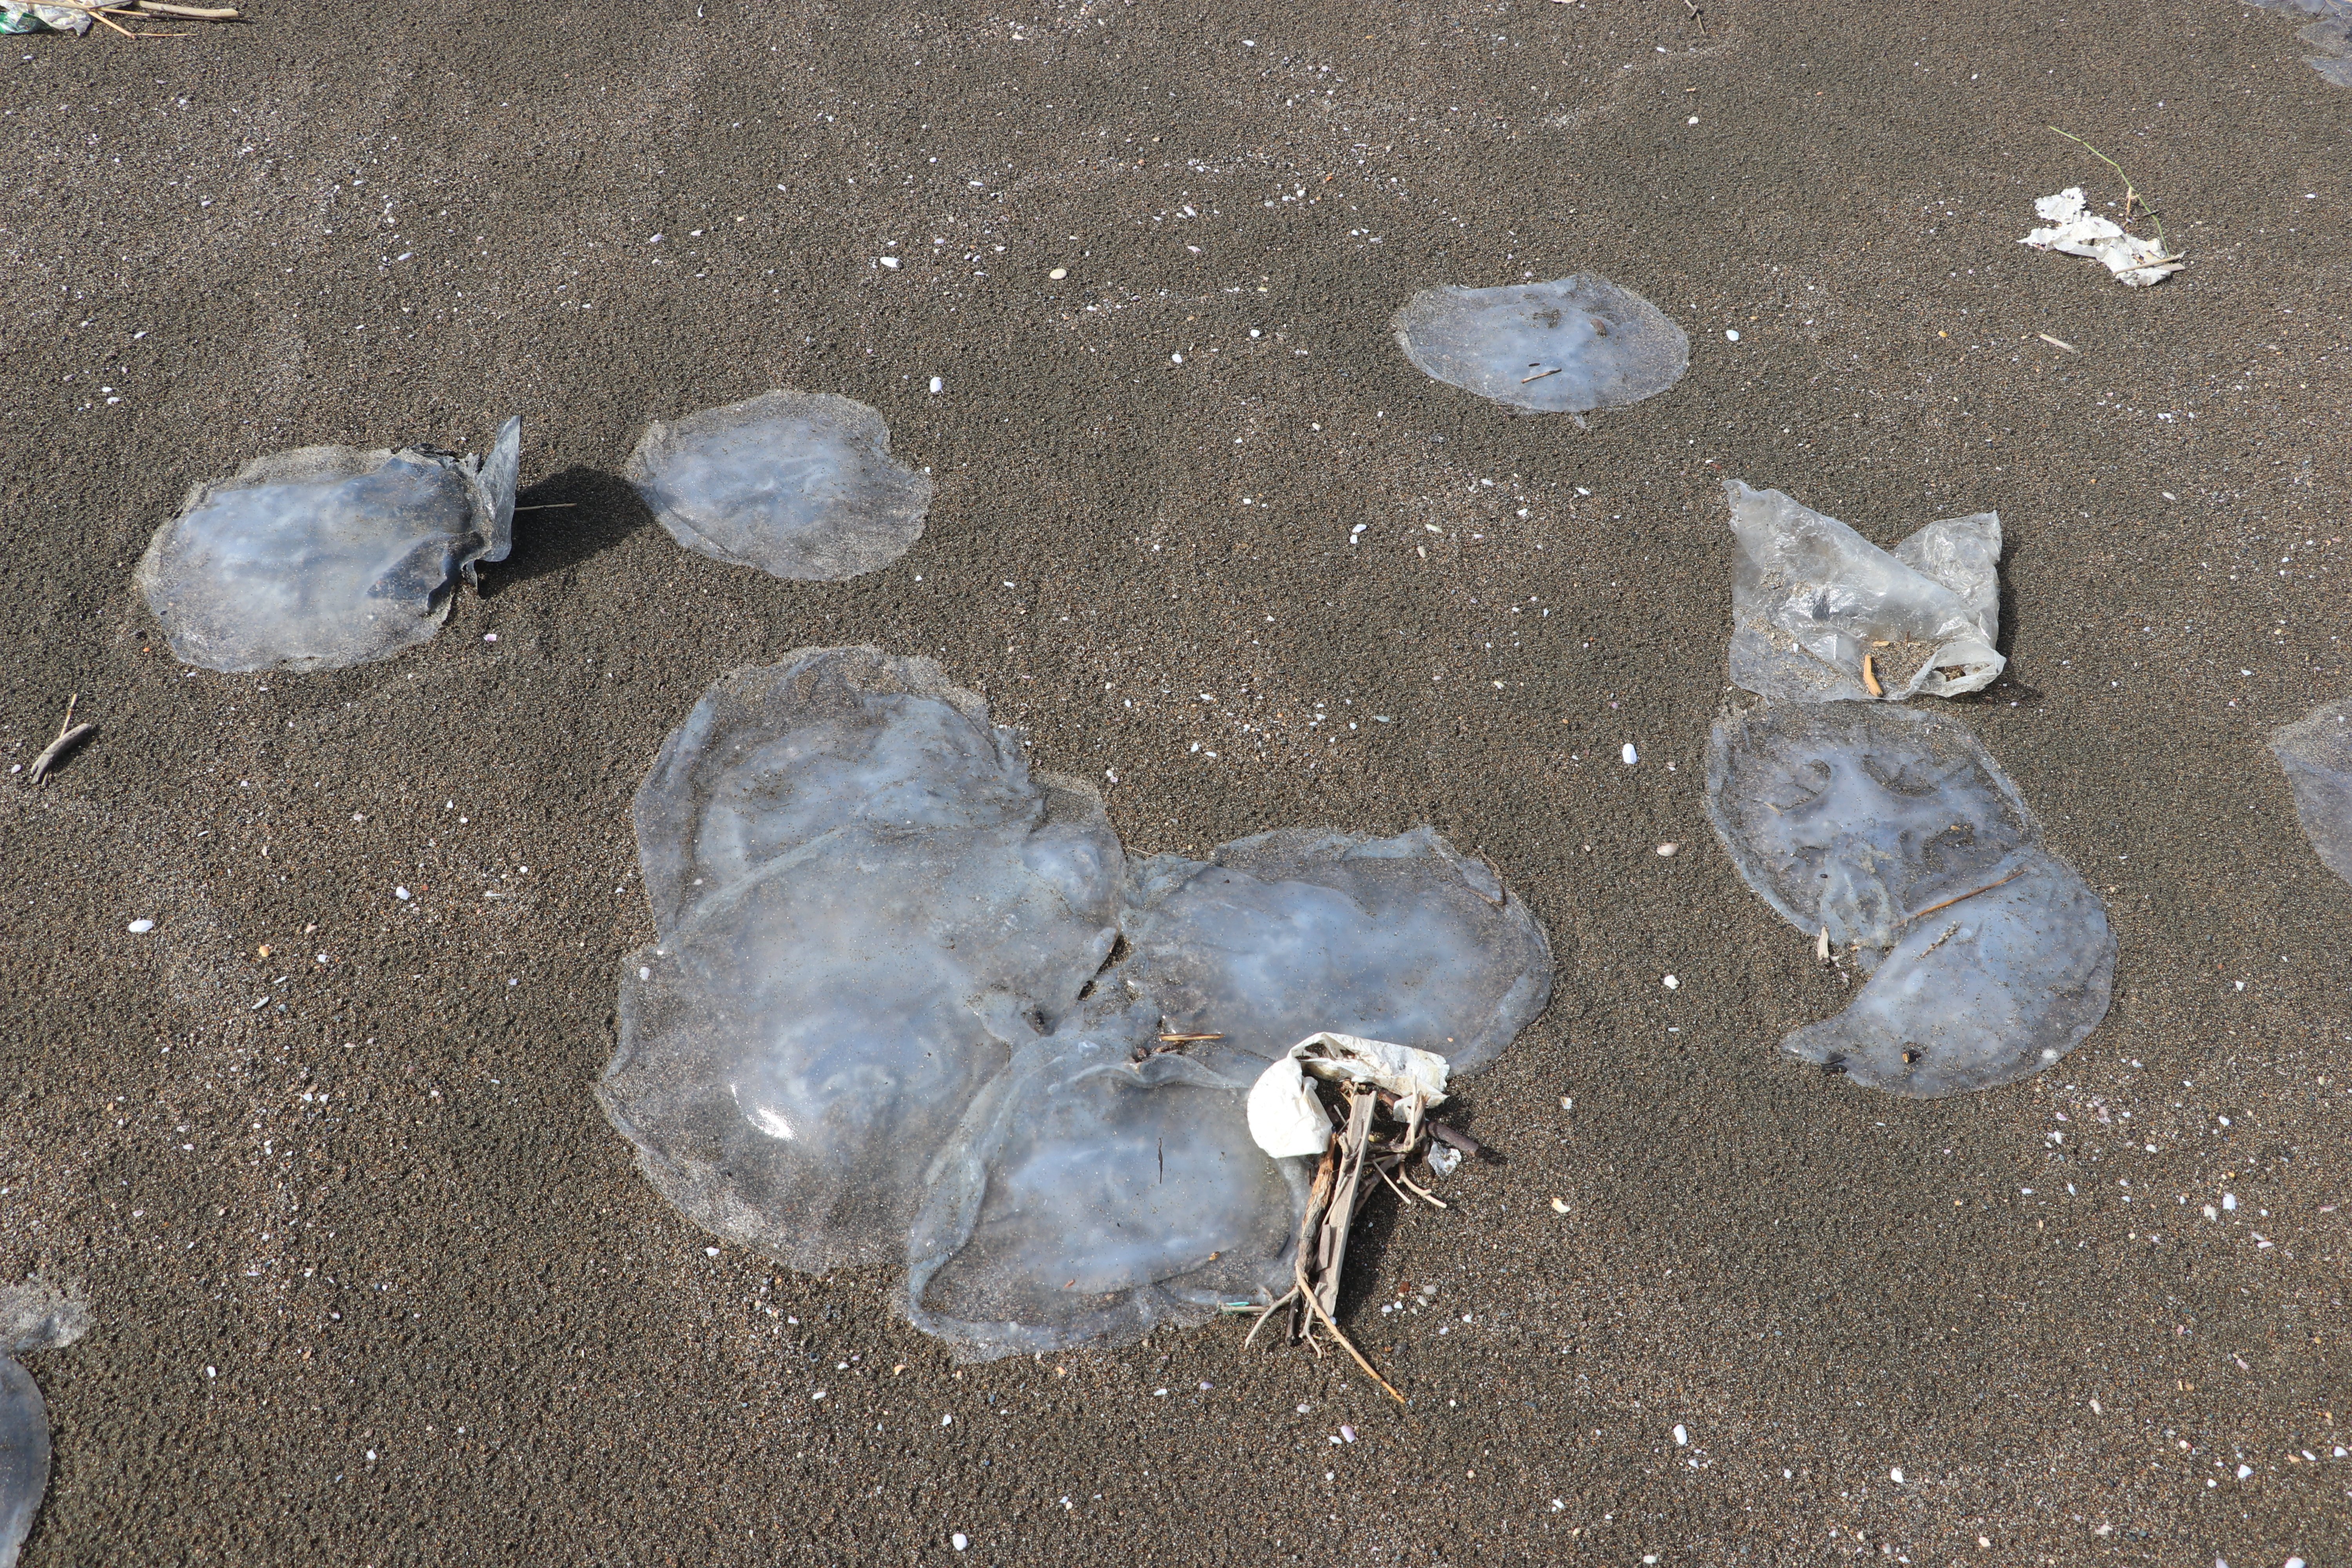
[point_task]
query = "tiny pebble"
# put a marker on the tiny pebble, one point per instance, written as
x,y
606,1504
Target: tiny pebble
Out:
x,y
1682,1438
1348,1433
891,262
1630,755
1175,359
1559,1205
709,1252
489,636
1672,984
938,385
1668,849
1731,336
140,928
1896,1474
401,893
958,1541
1058,273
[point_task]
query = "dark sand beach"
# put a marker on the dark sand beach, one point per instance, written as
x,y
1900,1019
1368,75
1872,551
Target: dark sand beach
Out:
x,y
375,1282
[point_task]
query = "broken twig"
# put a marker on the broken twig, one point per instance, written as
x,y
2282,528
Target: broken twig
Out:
x,y
2058,342
70,734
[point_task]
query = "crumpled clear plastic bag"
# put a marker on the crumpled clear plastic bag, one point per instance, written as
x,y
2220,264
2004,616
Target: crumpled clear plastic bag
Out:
x,y
1813,601
908,1000
2315,752
325,556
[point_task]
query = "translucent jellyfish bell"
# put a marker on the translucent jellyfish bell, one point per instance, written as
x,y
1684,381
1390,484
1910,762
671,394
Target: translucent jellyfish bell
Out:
x,y
326,556
1091,1195
839,974
799,484
1895,833
1286,934
1569,346
2317,754
33,1317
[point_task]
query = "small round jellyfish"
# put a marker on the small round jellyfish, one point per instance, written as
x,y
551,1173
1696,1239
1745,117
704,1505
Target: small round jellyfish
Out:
x,y
799,484
325,556
1569,346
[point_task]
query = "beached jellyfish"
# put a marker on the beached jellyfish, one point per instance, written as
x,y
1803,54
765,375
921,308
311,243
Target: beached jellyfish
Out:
x,y
2315,752
2331,35
1569,346
800,484
1098,1188
909,1002
1283,935
1895,835
864,903
33,1317
1820,614
326,556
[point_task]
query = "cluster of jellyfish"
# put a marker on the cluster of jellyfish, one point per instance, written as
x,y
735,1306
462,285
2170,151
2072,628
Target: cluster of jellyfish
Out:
x,y
912,1004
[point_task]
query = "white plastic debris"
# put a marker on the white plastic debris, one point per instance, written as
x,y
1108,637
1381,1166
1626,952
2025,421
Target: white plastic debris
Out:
x,y
1286,1120
1445,1159
2135,261
1822,615
18,16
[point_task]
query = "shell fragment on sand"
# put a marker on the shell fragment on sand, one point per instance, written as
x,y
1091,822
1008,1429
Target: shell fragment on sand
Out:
x,y
1894,836
326,556
2315,752
1822,615
2136,262
908,1001
798,484
1569,346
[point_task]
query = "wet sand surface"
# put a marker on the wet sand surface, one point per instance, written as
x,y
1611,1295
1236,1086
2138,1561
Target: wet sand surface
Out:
x,y
374,1281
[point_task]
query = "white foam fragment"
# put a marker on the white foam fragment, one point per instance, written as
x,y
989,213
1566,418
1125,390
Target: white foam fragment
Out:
x,y
2136,262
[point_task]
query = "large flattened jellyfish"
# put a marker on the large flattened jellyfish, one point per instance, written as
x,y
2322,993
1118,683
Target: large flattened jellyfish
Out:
x,y
1285,935
326,556
1098,1189
2315,752
33,1317
1569,346
799,484
1896,834
864,904
909,1000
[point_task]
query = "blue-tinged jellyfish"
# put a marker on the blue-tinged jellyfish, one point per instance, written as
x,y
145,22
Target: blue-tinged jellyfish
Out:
x,y
1569,346
327,556
910,1001
798,484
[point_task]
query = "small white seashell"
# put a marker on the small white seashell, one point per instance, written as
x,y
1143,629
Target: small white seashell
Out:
x,y
140,928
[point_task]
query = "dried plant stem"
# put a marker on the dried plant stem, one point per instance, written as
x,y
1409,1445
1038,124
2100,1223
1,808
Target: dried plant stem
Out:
x,y
2131,192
